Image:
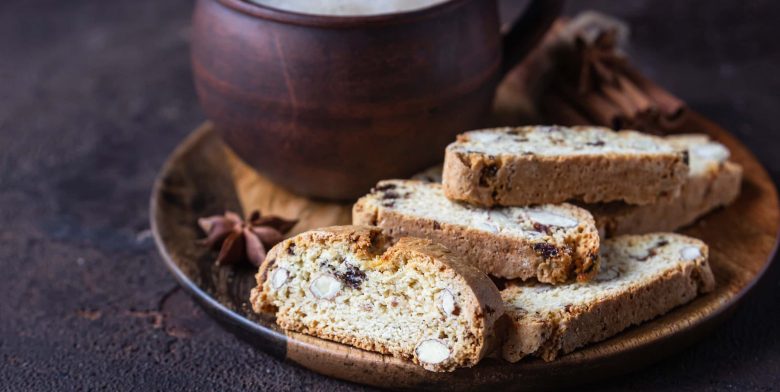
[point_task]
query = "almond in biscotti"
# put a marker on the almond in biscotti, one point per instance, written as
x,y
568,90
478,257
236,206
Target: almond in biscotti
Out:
x,y
552,164
414,299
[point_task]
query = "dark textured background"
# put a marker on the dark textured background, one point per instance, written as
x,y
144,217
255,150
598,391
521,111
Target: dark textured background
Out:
x,y
95,94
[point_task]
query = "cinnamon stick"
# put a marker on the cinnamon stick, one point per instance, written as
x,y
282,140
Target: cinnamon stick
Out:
x,y
592,103
587,80
671,107
631,92
618,98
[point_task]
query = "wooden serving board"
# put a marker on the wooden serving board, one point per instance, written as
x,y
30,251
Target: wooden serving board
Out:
x,y
202,177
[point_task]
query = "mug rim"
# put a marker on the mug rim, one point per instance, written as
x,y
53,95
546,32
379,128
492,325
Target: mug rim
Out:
x,y
300,18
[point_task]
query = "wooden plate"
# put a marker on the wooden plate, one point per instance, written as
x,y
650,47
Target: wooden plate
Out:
x,y
202,177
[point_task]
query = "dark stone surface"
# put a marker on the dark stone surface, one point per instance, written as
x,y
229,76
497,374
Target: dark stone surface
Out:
x,y
95,94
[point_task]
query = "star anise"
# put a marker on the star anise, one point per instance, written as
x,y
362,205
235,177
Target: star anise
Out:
x,y
240,241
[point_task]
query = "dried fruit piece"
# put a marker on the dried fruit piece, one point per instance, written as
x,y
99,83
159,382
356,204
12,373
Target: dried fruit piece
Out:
x,y
432,351
390,195
487,175
325,286
353,276
540,228
546,250
396,302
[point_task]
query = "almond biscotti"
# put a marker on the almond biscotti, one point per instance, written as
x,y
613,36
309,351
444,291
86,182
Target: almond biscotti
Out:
x,y
552,243
712,182
641,277
553,164
414,300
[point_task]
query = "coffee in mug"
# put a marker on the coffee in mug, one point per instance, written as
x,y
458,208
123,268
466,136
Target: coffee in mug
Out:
x,y
348,7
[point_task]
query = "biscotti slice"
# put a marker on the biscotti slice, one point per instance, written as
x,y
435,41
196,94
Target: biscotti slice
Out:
x,y
553,164
415,299
712,182
552,243
641,277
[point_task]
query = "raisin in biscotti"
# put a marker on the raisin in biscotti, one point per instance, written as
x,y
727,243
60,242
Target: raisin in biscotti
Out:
x,y
414,300
712,182
552,243
641,277
552,164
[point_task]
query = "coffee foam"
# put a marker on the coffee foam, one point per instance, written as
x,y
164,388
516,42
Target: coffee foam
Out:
x,y
347,7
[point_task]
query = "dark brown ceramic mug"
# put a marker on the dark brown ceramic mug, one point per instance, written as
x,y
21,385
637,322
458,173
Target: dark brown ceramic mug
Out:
x,y
328,105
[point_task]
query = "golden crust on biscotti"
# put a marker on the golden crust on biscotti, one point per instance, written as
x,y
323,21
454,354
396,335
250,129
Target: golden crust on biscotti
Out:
x,y
510,242
347,284
712,182
552,164
642,277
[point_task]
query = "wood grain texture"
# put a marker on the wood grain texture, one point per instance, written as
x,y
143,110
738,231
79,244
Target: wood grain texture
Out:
x,y
204,177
